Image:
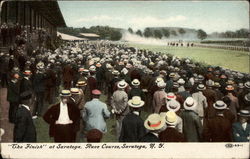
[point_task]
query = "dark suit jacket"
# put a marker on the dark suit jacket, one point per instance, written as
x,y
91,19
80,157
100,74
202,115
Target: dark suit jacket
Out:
x,y
25,88
217,129
171,135
239,134
13,92
52,115
24,130
132,128
149,137
39,82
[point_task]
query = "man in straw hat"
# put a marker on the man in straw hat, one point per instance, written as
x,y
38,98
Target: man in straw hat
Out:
x,y
95,112
136,90
241,129
201,100
234,105
219,128
159,98
170,134
132,125
175,106
63,119
24,129
119,105
192,126
154,124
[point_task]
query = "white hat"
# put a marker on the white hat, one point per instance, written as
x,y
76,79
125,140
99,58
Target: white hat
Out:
x,y
170,117
136,102
122,84
92,68
190,103
181,81
219,105
154,122
159,79
201,87
170,96
247,84
115,72
135,82
173,105
161,84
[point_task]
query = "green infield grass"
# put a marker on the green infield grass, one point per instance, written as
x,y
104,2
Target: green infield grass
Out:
x,y
230,59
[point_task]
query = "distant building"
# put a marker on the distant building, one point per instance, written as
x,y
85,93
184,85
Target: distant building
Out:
x,y
67,37
37,14
90,36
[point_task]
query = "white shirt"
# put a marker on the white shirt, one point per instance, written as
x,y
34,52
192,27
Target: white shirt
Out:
x,y
64,115
244,125
136,113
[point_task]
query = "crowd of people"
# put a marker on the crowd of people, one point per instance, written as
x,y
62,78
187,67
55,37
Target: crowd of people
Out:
x,y
185,101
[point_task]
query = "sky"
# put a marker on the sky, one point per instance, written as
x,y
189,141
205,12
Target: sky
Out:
x,y
211,16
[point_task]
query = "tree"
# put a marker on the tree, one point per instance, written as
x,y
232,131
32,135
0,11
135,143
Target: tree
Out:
x,y
173,32
157,34
115,35
147,32
138,32
166,32
182,31
201,34
130,30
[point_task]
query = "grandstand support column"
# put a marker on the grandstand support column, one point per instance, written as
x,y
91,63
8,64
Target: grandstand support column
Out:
x,y
1,5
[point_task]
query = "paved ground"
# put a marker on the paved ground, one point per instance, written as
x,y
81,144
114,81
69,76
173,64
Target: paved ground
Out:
x,y
4,121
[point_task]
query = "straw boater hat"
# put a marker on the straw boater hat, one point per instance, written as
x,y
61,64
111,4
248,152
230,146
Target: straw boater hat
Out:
x,y
244,113
217,84
74,91
171,118
115,72
92,68
229,88
201,87
122,84
230,82
136,102
85,71
247,84
220,105
96,92
27,72
40,65
172,75
98,64
170,96
154,122
81,83
135,82
181,81
200,78
190,103
173,105
65,93
210,83
81,69
158,79
247,97
240,85
161,84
